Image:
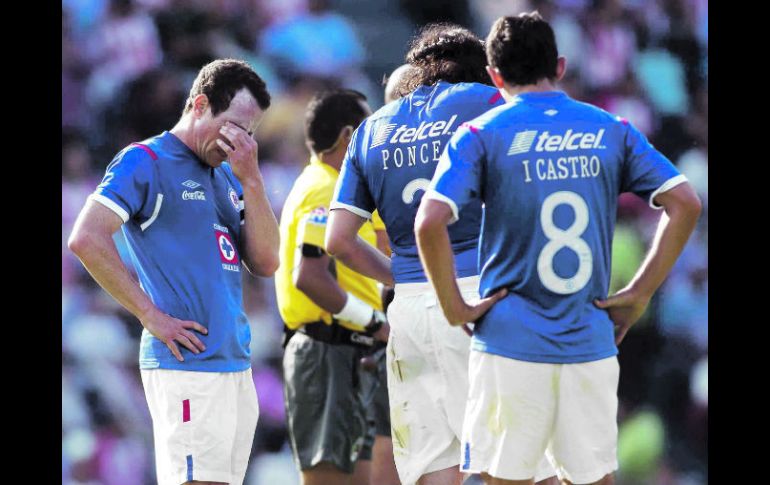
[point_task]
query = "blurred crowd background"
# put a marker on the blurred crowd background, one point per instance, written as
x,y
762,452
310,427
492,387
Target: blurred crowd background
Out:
x,y
127,66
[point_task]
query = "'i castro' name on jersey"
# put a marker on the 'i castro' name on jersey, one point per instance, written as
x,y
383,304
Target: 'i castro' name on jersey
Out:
x,y
578,166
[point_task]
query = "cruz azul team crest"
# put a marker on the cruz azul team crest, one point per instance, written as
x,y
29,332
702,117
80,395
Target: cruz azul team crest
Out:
x,y
227,252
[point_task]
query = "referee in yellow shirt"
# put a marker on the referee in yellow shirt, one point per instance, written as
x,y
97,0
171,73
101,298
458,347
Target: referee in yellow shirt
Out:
x,y
333,316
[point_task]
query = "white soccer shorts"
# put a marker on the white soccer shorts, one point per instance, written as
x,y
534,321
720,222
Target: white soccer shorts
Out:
x,y
427,363
517,410
203,424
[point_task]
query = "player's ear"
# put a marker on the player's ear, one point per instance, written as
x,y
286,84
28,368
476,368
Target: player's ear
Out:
x,y
561,67
200,104
497,78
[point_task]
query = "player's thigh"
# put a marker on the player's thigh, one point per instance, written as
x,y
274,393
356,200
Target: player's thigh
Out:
x,y
194,421
508,417
324,415
247,417
423,440
584,442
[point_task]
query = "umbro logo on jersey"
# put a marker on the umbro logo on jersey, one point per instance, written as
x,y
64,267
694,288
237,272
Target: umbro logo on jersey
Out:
x,y
569,141
191,184
405,134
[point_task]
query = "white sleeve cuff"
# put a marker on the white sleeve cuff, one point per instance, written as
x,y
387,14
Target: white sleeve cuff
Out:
x,y
351,208
110,204
667,185
432,194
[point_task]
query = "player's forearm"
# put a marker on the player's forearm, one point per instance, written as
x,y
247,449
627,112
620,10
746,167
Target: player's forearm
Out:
x,y
322,289
260,230
363,258
437,258
100,257
674,229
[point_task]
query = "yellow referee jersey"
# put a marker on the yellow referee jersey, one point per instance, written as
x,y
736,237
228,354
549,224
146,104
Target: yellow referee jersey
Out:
x,y
303,221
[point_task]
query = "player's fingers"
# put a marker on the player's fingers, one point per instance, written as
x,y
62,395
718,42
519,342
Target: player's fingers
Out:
x,y
186,342
195,340
195,326
224,146
620,333
175,350
467,330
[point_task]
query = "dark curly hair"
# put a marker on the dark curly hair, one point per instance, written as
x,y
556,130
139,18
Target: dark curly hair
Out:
x,y
444,52
221,79
523,48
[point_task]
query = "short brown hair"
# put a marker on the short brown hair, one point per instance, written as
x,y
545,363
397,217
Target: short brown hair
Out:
x,y
221,79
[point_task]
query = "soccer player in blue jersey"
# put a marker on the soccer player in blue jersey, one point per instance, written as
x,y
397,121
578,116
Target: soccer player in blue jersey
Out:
x,y
549,169
388,166
189,221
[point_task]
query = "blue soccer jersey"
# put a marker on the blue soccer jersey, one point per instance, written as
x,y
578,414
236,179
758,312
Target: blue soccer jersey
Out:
x,y
391,159
549,170
182,222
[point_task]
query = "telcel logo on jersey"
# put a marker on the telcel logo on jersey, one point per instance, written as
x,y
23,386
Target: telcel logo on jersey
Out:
x,y
404,134
569,141
197,195
428,151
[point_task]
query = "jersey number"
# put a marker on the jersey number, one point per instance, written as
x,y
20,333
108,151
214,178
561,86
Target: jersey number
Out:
x,y
569,238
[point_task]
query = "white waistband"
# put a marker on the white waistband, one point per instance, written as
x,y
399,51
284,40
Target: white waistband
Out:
x,y
469,283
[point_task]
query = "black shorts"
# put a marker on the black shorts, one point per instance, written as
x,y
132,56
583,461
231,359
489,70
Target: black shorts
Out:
x,y
325,409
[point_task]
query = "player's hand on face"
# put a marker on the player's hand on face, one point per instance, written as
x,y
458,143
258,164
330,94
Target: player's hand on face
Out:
x,y
471,312
624,308
242,155
171,331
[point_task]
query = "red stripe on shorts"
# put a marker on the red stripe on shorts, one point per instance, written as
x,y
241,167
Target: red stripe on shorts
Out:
x,y
185,410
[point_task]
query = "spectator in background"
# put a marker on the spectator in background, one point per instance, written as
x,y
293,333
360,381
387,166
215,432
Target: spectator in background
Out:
x,y
125,46
611,44
319,43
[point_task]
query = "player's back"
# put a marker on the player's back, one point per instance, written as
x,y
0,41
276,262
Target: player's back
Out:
x,y
550,178
395,152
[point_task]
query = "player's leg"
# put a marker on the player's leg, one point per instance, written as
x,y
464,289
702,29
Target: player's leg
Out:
x,y
447,476
247,417
608,479
362,473
422,438
383,465
325,473
194,422
509,417
584,442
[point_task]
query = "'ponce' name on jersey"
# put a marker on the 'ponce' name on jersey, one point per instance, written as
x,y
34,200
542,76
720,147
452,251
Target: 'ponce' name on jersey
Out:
x,y
424,152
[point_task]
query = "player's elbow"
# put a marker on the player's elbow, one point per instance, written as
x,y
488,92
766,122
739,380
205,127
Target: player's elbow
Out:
x,y
425,225
336,244
79,243
269,265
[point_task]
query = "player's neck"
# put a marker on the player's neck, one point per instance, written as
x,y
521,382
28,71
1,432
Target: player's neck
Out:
x,y
183,131
333,159
511,91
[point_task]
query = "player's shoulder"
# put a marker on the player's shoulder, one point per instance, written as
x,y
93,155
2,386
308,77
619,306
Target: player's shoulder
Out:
x,y
590,112
142,155
469,92
314,184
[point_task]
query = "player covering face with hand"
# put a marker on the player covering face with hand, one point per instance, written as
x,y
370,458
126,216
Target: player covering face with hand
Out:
x,y
390,161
